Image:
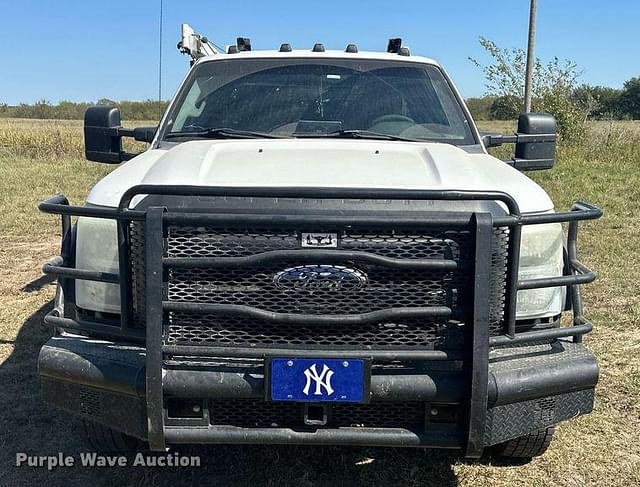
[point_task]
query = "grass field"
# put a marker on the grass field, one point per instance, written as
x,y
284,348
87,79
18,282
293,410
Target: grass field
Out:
x,y
40,158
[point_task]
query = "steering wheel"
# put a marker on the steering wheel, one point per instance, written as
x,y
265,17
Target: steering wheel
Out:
x,y
391,118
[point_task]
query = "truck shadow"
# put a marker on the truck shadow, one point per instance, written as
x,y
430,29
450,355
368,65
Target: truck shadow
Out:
x,y
30,426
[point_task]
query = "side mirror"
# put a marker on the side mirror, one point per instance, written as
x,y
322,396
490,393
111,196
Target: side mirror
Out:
x,y
541,152
102,142
103,134
535,142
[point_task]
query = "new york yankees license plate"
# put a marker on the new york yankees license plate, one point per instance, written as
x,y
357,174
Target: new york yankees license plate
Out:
x,y
314,380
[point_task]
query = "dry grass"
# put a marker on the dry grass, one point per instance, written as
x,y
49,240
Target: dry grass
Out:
x,y
598,449
49,139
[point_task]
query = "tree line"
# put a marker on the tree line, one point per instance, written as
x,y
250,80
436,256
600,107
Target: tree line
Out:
x,y
600,103
69,110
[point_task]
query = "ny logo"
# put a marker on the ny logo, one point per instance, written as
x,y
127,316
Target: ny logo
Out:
x,y
321,380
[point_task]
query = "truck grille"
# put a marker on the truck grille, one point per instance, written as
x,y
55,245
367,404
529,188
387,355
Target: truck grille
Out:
x,y
386,287
261,414
239,332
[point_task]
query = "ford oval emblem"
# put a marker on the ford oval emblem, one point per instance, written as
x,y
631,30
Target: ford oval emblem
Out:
x,y
318,277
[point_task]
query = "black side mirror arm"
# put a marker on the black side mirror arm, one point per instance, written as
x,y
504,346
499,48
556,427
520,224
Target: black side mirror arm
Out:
x,y
496,140
141,134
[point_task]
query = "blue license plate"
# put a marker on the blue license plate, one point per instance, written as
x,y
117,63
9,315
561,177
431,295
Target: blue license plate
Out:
x,y
312,380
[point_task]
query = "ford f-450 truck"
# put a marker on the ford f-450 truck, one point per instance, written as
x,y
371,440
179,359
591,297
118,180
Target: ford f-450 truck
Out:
x,y
317,248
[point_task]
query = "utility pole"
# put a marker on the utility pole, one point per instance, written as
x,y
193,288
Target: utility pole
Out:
x,y
530,56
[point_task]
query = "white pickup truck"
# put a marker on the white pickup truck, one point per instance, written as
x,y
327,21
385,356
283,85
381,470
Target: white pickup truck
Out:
x,y
317,248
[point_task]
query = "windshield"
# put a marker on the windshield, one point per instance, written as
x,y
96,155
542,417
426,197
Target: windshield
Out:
x,y
328,97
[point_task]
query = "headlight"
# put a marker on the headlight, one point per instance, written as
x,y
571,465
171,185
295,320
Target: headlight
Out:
x,y
97,250
540,256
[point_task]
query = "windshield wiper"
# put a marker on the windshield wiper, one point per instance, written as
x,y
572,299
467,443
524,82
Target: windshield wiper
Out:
x,y
358,134
224,133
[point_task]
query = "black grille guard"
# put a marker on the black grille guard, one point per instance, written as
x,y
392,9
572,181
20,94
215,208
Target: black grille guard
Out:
x,y
480,224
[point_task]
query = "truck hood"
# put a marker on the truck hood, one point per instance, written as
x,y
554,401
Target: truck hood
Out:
x,y
321,163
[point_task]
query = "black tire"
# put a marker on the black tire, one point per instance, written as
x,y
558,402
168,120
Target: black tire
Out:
x,y
105,439
525,447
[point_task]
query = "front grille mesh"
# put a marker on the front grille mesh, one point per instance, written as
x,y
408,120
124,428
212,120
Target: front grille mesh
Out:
x,y
235,331
137,270
237,242
261,414
387,287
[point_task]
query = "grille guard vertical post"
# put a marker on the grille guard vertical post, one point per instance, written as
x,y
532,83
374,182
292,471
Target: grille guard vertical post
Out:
x,y
154,249
577,268
483,229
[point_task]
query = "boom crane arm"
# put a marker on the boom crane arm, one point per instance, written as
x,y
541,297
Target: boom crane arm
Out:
x,y
195,45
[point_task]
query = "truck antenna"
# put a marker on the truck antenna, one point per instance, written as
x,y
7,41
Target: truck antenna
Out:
x,y
160,65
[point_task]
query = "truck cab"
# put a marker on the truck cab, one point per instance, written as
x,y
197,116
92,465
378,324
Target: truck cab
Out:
x,y
317,248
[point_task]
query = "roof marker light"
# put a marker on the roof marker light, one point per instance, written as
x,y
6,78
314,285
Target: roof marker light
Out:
x,y
243,43
394,45
318,47
351,48
285,47
404,51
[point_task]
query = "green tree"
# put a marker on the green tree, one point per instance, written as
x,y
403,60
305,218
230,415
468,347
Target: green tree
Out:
x,y
553,85
480,107
506,107
106,102
630,98
602,102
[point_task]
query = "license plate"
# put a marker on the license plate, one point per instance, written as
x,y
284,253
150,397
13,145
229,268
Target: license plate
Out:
x,y
314,380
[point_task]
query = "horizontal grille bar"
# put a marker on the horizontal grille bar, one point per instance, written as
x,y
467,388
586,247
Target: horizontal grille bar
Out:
x,y
235,331
452,220
319,192
310,319
314,255
377,355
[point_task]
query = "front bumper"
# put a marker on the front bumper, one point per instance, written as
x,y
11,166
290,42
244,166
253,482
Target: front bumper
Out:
x,y
529,388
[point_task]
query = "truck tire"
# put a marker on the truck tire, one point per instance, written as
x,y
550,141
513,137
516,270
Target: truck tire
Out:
x,y
525,447
105,439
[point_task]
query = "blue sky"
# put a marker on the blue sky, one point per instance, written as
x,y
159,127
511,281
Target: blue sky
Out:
x,y
86,50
